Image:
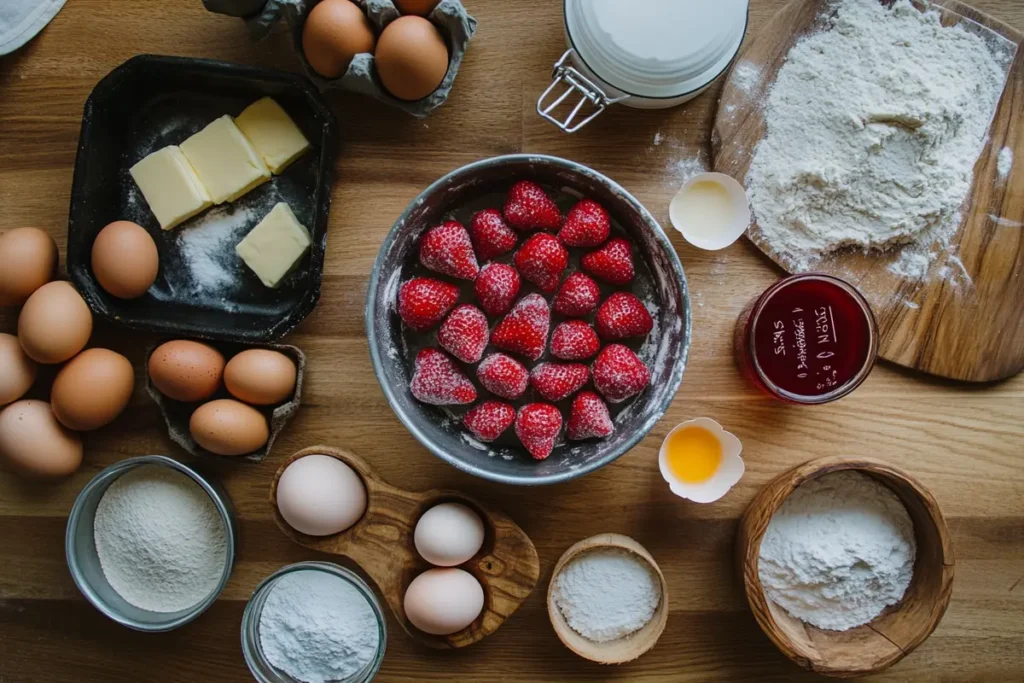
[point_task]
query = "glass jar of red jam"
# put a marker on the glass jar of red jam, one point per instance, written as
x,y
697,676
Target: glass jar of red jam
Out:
x,y
808,339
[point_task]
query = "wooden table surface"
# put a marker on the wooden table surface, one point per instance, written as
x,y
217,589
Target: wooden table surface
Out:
x,y
964,442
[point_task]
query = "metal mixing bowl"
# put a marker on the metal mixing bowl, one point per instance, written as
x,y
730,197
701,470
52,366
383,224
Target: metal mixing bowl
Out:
x,y
660,279
84,562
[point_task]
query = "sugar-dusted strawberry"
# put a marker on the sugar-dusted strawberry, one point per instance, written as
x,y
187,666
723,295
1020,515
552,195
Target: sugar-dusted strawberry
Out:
x,y
503,376
423,302
621,316
464,333
612,263
528,207
489,420
496,288
447,249
619,374
541,260
491,235
525,329
574,340
589,418
438,381
537,426
578,296
558,381
586,225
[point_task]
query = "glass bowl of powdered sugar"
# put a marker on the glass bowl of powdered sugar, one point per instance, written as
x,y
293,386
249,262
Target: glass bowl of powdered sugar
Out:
x,y
151,543
313,622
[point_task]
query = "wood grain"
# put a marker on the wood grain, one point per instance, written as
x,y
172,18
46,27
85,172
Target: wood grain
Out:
x,y
965,325
381,544
963,442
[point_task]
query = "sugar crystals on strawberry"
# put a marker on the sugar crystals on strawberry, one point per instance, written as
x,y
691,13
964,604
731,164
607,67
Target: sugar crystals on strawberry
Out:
x,y
586,225
503,376
438,381
619,374
612,263
537,426
589,418
574,340
524,330
528,208
489,420
541,260
491,235
496,287
464,333
558,381
622,316
447,249
423,302
578,296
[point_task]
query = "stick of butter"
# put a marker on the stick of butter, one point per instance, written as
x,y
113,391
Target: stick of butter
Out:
x,y
171,187
274,247
273,133
225,161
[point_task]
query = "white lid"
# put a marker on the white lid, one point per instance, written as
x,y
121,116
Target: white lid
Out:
x,y
656,48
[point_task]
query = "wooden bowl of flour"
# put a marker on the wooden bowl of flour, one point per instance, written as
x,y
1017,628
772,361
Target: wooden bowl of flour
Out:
x,y
627,648
892,635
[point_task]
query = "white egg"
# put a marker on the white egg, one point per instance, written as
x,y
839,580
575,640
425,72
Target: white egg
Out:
x,y
700,460
320,495
449,534
443,601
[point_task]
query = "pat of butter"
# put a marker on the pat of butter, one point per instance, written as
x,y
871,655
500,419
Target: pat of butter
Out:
x,y
171,187
275,246
225,161
272,132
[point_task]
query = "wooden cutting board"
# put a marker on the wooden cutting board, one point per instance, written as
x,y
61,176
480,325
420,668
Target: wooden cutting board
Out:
x,y
965,318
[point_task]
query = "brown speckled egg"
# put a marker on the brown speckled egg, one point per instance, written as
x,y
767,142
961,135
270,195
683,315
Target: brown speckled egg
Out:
x,y
185,370
17,371
55,323
411,58
92,389
125,260
335,31
228,427
261,377
29,258
34,444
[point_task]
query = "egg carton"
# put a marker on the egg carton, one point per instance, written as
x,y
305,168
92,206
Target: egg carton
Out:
x,y
178,413
456,25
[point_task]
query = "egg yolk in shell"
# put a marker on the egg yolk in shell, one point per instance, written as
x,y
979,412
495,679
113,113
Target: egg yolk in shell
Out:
x,y
694,454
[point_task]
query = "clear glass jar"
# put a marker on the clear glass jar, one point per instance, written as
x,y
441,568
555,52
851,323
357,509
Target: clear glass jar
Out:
x,y
252,649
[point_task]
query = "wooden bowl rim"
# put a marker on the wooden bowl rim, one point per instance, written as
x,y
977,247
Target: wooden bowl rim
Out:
x,y
749,547
650,633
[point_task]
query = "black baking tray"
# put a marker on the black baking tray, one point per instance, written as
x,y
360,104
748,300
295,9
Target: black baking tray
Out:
x,y
203,290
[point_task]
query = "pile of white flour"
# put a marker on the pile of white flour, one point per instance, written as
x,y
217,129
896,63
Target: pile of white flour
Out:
x,y
874,126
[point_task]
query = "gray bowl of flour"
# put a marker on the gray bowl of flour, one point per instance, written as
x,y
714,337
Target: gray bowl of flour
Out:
x,y
150,543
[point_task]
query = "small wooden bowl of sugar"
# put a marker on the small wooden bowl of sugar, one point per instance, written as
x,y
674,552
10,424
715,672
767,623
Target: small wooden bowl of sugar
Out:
x,y
887,638
631,570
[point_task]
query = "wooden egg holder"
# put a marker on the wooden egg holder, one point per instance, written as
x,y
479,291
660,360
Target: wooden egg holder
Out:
x,y
381,543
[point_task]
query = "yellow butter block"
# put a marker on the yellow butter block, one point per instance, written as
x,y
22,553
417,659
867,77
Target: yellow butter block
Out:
x,y
171,187
274,247
273,133
225,161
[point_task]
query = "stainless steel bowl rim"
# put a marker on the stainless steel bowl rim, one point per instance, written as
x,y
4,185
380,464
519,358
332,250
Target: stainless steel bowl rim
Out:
x,y
389,391
118,469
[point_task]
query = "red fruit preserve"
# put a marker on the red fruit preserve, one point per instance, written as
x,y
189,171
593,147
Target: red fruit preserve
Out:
x,y
808,339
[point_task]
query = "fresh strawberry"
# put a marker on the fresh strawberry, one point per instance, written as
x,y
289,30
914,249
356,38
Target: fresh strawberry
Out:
x,y
464,334
589,418
503,376
489,420
496,288
491,235
586,225
537,426
541,260
525,329
558,381
422,302
447,249
578,296
528,207
623,315
438,381
612,263
619,374
574,340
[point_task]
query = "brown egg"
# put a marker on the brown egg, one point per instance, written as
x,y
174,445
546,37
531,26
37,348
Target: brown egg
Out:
x,y
260,376
92,389
124,259
334,33
55,323
17,371
227,427
34,444
420,7
186,370
411,58
29,258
